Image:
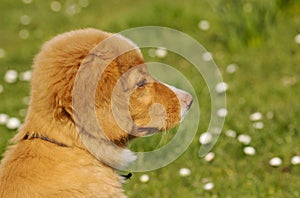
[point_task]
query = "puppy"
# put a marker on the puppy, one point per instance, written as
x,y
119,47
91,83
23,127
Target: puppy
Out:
x,y
90,94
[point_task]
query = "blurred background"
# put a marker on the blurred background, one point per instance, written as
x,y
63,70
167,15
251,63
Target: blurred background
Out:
x,y
256,45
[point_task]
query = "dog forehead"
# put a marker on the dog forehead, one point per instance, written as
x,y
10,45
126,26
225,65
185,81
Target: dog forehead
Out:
x,y
130,42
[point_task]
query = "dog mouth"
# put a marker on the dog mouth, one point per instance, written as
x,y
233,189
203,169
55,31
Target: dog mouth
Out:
x,y
185,109
142,131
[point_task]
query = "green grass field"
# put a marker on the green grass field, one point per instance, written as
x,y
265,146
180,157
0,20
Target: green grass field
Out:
x,y
258,36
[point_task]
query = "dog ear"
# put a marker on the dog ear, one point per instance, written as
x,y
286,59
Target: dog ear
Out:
x,y
85,118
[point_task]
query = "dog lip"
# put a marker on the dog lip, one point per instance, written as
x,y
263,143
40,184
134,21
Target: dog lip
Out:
x,y
189,105
188,100
150,130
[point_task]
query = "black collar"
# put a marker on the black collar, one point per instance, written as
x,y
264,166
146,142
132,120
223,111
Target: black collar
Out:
x,y
29,137
128,176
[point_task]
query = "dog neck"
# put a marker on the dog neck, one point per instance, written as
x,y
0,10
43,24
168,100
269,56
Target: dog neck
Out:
x,y
44,138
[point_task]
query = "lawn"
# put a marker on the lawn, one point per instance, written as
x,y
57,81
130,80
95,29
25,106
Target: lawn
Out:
x,y
254,43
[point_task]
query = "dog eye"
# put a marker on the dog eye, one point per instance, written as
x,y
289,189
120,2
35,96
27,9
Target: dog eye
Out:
x,y
141,83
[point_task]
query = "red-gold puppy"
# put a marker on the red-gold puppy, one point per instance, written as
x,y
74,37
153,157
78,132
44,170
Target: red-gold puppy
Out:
x,y
90,94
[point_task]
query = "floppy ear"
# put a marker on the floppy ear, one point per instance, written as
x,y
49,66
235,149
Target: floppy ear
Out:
x,y
85,118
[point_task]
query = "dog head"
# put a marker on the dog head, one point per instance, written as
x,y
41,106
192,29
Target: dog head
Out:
x,y
92,89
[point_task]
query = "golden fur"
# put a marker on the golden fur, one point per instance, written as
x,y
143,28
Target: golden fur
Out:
x,y
58,152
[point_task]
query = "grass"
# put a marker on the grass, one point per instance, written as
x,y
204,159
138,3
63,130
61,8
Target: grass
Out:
x,y
260,41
